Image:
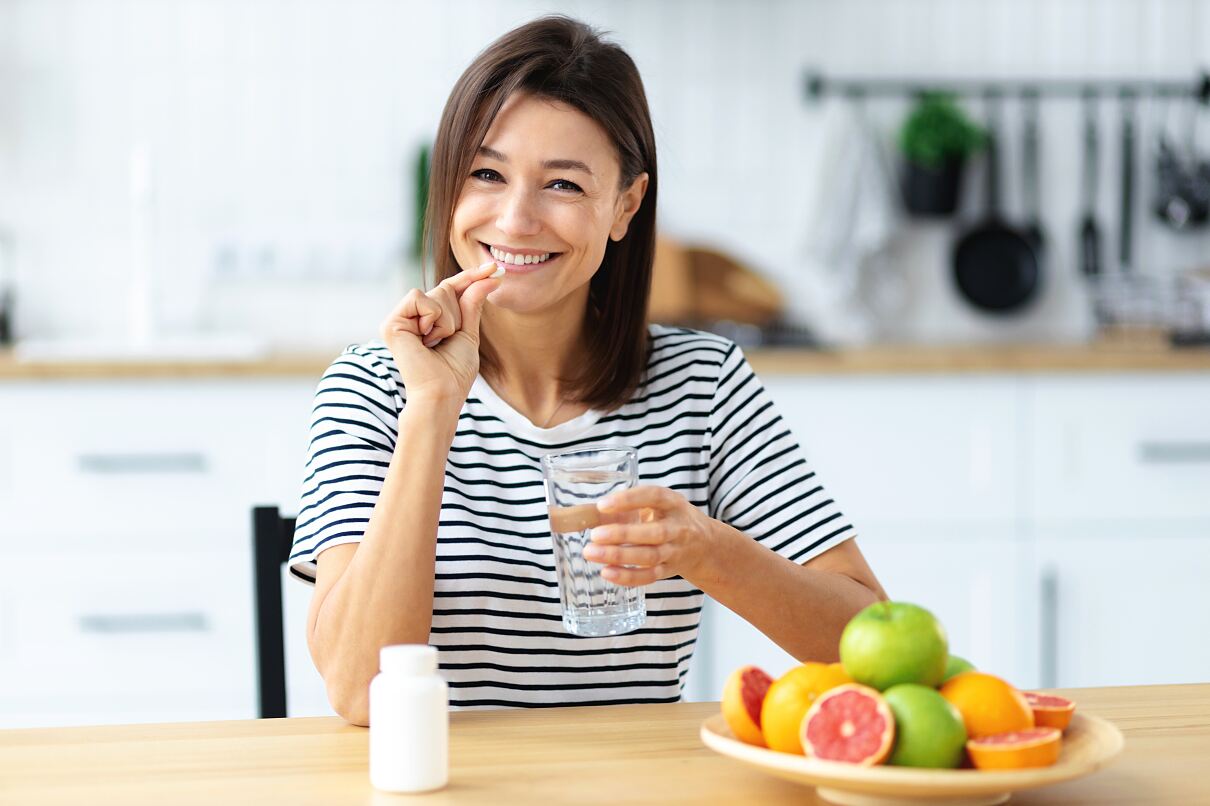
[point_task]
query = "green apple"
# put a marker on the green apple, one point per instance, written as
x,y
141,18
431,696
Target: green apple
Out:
x,y
928,729
956,665
894,642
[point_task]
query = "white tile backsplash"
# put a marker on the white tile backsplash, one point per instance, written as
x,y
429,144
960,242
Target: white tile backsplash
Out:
x,y
282,136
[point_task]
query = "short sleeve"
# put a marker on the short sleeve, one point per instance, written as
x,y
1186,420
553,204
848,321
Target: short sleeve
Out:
x,y
354,425
760,481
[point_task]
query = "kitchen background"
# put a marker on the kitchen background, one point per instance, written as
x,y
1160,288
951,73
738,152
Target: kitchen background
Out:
x,y
192,180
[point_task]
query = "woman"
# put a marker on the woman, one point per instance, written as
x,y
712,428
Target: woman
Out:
x,y
423,518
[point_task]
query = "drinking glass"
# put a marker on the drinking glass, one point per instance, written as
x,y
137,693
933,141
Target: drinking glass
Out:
x,y
575,481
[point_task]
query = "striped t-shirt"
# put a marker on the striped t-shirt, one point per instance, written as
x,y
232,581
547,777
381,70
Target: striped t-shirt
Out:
x,y
701,423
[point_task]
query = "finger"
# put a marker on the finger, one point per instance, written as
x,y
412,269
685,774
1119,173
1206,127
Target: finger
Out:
x,y
641,556
646,534
463,279
657,498
448,322
412,314
472,303
633,577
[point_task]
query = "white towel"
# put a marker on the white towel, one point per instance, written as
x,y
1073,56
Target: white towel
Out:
x,y
853,212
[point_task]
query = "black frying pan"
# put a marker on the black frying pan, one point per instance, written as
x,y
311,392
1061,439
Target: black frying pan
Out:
x,y
995,266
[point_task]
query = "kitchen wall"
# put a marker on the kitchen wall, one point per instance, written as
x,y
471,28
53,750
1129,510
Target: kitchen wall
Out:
x,y
254,156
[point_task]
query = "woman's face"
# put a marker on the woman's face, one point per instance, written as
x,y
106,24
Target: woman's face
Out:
x,y
545,182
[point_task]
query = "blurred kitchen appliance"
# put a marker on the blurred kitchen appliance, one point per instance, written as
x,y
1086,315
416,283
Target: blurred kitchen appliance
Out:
x,y
995,266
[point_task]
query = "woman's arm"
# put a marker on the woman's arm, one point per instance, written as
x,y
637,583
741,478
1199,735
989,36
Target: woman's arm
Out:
x,y
380,592
803,608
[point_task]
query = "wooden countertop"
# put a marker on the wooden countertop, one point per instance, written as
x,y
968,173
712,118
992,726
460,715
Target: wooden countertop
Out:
x,y
614,755
1108,356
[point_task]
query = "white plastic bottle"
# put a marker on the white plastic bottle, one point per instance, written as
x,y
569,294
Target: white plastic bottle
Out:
x,y
409,721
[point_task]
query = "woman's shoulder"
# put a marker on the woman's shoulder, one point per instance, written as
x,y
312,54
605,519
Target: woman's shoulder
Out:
x,y
693,345
368,361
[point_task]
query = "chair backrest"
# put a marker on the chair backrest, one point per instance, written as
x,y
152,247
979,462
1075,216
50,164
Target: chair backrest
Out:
x,y
272,538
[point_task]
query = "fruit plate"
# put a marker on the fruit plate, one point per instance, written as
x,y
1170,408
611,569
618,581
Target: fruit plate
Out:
x,y
1088,744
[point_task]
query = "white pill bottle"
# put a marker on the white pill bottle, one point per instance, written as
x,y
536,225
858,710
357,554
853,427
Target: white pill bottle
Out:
x,y
409,721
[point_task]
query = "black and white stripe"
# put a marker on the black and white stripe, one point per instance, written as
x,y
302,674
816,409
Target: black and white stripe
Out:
x,y
702,424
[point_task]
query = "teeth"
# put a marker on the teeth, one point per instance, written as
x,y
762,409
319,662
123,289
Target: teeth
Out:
x,y
518,260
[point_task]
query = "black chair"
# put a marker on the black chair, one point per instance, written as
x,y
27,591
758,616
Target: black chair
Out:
x,y
272,538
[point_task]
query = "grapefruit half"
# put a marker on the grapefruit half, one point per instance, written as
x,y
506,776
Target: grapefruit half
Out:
x,y
850,723
1050,711
743,696
1036,747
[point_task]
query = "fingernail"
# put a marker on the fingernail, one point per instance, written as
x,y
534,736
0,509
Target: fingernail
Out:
x,y
601,533
485,265
605,503
592,552
499,272
609,573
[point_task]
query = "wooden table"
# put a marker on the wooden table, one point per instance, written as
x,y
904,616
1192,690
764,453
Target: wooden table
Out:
x,y
623,754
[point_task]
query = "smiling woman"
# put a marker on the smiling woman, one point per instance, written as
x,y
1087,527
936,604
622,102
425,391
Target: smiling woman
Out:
x,y
423,517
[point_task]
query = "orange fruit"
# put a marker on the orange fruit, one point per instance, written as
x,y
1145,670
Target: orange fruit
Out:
x,y
789,699
988,704
1036,747
1050,711
743,696
851,723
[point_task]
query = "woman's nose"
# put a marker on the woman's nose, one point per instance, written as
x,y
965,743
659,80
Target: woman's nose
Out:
x,y
518,214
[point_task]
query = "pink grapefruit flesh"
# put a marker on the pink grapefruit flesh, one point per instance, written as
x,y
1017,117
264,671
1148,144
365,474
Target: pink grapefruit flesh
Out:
x,y
850,723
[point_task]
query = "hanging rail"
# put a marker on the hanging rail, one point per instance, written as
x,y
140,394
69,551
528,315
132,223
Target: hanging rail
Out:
x,y
818,85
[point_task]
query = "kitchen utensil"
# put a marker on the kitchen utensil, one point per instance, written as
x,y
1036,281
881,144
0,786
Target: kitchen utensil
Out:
x,y
1029,161
1090,233
995,266
1182,181
1089,743
1126,213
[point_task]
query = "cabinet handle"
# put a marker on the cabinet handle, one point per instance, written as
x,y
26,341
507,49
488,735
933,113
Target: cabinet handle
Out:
x,y
1049,628
117,463
144,622
1173,453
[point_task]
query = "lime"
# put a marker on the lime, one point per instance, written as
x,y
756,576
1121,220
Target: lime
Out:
x,y
928,729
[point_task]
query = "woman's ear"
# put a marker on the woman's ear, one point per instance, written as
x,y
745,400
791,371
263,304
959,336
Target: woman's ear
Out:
x,y
628,204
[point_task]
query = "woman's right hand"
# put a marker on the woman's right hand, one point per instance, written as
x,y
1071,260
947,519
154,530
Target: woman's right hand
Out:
x,y
434,337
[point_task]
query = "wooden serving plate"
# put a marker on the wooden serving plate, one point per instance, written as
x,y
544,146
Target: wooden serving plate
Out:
x,y
1088,744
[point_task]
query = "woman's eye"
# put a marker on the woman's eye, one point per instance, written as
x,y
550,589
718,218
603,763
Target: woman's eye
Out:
x,y
482,173
570,185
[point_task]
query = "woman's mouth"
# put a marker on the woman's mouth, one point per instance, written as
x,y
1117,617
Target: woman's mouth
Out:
x,y
504,259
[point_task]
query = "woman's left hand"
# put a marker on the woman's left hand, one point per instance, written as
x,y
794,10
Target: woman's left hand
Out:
x,y
654,530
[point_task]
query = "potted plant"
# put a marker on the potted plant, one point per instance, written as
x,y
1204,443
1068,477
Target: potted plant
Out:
x,y
936,139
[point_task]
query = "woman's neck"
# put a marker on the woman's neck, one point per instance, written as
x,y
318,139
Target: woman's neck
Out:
x,y
533,352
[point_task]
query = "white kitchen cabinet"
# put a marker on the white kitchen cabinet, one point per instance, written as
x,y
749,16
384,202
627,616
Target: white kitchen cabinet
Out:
x,y
1103,449
902,449
126,508
1124,609
92,636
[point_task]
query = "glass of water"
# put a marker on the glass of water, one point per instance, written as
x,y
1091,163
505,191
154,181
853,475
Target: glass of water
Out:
x,y
575,481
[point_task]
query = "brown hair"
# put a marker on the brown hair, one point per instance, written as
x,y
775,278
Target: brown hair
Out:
x,y
561,59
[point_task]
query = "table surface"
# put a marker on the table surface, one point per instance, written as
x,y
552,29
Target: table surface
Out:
x,y
614,755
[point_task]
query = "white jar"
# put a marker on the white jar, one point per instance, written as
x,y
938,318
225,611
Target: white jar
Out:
x,y
409,721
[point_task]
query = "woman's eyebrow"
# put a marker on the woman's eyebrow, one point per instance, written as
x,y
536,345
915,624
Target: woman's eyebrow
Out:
x,y
557,165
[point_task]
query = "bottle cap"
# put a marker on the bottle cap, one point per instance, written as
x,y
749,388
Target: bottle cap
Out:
x,y
408,658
